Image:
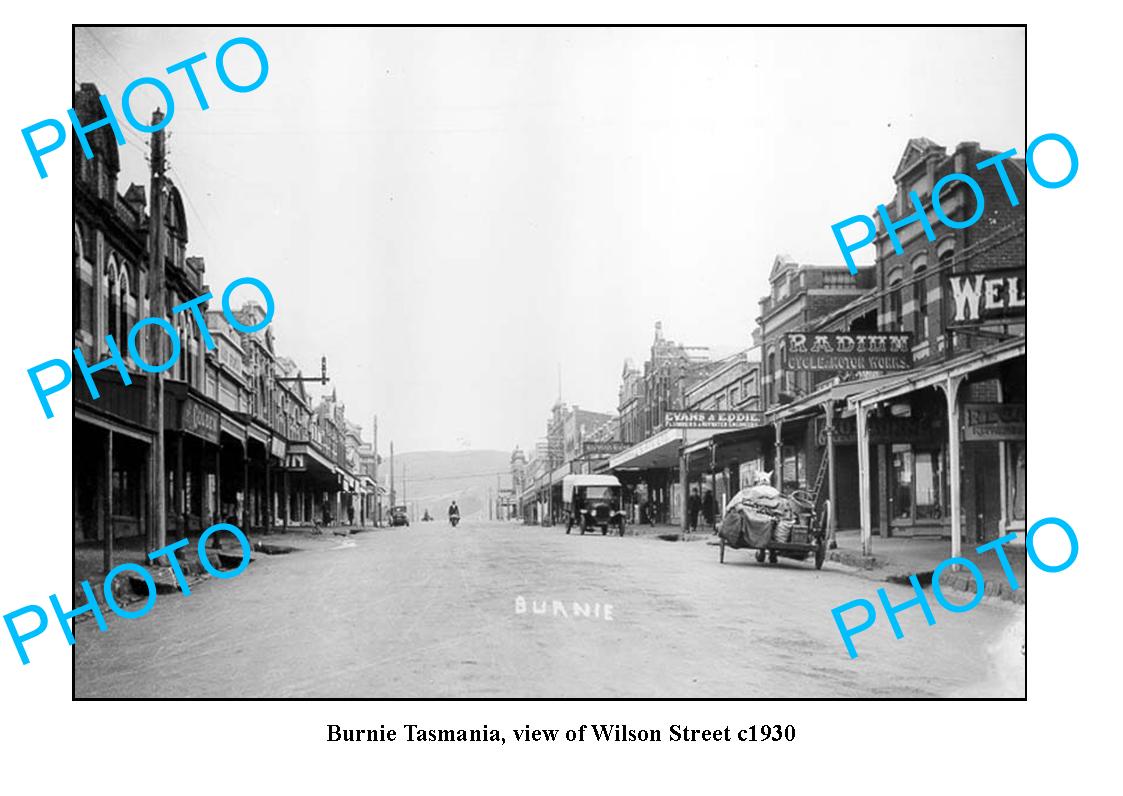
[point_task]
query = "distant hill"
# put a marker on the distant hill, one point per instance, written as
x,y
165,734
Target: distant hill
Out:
x,y
434,478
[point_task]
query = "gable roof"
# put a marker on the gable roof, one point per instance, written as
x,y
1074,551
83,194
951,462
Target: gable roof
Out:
x,y
915,150
782,263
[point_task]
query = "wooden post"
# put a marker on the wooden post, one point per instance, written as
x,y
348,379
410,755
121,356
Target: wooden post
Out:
x,y
157,308
285,482
178,503
832,518
864,481
778,455
107,502
218,484
267,515
951,392
200,487
245,518
683,485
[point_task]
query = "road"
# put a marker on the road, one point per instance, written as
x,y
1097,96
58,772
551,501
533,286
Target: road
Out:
x,y
431,611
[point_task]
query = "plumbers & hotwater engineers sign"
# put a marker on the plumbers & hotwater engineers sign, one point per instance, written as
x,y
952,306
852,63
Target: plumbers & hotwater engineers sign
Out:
x,y
848,352
715,419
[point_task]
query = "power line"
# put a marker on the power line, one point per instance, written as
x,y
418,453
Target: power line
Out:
x,y
106,50
186,193
455,477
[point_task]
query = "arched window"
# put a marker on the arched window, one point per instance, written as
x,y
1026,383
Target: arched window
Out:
x,y
112,301
77,275
920,295
945,251
125,322
895,321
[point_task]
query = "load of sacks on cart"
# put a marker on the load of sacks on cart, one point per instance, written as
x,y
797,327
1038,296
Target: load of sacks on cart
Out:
x,y
761,517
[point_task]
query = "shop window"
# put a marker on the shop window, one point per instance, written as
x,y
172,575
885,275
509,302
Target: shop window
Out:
x,y
917,483
1016,480
793,472
124,493
929,485
901,485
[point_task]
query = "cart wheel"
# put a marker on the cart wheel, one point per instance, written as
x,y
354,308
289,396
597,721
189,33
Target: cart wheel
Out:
x,y
760,556
721,551
821,552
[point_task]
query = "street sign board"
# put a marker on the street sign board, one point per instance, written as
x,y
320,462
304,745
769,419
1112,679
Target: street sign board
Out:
x,y
989,297
847,353
712,419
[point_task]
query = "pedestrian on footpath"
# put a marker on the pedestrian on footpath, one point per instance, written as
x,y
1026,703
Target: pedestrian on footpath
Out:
x,y
693,506
708,509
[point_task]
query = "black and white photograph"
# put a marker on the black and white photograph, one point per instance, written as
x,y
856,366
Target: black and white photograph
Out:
x,y
547,362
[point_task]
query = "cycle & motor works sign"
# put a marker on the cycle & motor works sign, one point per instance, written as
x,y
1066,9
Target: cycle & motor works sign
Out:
x,y
848,353
989,422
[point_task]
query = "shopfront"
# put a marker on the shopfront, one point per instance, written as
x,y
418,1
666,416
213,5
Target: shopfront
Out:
x,y
650,472
964,416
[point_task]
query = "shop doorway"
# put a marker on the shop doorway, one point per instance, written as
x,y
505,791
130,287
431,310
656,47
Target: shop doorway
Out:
x,y
986,486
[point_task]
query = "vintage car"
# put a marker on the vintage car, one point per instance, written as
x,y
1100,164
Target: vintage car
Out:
x,y
593,501
399,515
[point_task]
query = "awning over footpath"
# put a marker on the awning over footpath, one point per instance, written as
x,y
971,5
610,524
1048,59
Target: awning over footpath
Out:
x,y
658,451
947,376
939,373
834,393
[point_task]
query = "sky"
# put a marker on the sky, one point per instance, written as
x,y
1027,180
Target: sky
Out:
x,y
463,219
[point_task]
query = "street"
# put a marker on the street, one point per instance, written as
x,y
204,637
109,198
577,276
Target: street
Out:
x,y
431,611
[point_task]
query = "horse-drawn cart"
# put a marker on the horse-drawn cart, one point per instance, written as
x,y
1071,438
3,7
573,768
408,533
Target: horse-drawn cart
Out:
x,y
761,518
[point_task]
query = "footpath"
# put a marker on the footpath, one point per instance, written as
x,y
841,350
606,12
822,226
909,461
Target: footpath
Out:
x,y
895,559
89,561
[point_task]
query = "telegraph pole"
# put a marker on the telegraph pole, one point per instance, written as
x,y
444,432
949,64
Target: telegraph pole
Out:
x,y
377,499
157,308
391,475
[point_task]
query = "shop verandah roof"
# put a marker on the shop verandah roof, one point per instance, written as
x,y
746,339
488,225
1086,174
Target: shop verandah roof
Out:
x,y
902,384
